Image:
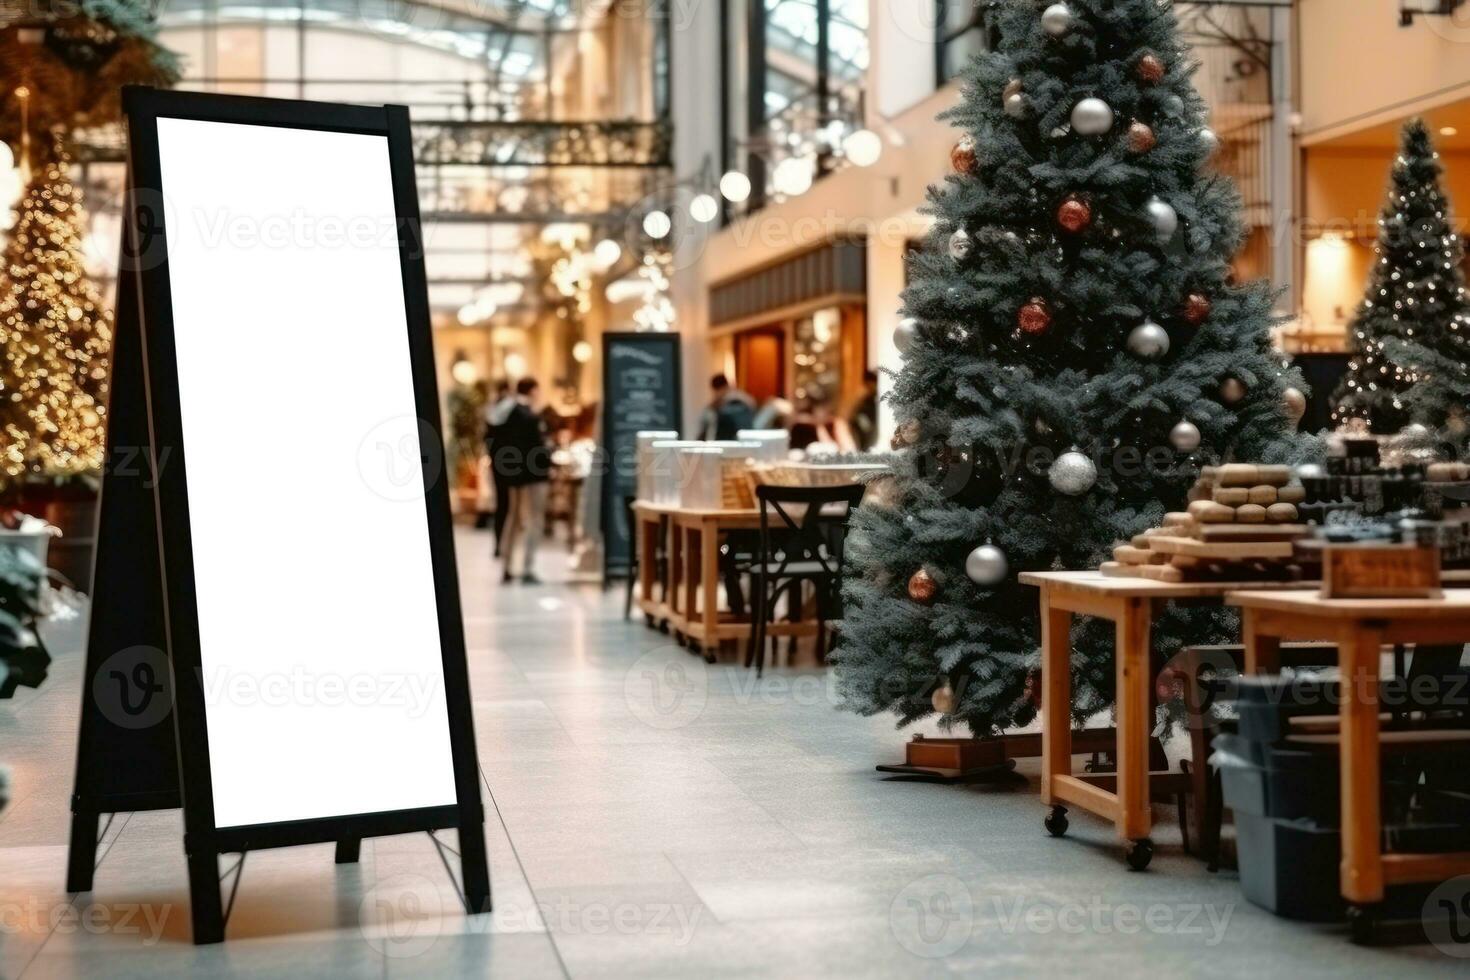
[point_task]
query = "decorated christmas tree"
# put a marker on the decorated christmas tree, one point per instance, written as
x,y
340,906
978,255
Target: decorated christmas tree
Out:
x,y
1411,337
1074,350
54,339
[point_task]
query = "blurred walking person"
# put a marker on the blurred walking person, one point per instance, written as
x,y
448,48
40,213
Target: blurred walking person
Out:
x,y
523,459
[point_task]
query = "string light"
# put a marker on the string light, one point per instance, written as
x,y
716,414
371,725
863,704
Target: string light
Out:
x,y
54,337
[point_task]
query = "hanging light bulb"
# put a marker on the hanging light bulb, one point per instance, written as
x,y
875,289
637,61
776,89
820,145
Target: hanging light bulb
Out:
x,y
793,176
607,252
704,208
863,147
735,186
656,224
463,370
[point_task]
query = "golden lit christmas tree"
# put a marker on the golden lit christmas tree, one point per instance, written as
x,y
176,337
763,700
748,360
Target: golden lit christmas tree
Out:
x,y
54,339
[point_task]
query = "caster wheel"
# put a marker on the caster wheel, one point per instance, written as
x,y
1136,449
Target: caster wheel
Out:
x,y
664,627
648,620
1140,853
1056,821
1363,924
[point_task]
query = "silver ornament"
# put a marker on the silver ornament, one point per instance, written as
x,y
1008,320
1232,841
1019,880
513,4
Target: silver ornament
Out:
x,y
986,565
1185,436
1295,403
1310,471
1414,432
1061,132
1072,474
1164,218
943,699
961,245
1209,141
904,334
1092,117
1232,391
1056,20
957,334
1148,340
1015,105
1013,87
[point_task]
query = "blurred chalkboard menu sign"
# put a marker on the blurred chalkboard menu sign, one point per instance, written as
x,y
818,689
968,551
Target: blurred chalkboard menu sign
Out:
x,y
640,390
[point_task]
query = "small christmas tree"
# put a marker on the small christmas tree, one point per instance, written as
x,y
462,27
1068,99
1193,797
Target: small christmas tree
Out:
x,y
1408,339
1074,350
54,339
1419,266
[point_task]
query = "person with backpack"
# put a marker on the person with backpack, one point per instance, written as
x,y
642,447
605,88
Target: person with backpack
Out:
x,y
730,411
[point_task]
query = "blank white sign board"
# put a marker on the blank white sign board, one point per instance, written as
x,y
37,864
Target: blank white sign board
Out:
x,y
322,668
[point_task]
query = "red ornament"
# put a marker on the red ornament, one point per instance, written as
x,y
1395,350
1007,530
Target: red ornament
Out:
x,y
1151,69
1035,317
1169,685
1196,309
962,156
922,587
1141,137
1032,694
1075,214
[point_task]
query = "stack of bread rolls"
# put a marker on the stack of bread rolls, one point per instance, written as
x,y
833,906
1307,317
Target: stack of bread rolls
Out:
x,y
1241,526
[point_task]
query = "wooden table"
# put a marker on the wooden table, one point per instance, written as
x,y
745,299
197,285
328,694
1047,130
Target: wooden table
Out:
x,y
650,536
689,605
1360,628
1131,604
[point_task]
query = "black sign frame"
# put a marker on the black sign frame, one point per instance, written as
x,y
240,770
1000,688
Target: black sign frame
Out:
x,y
144,576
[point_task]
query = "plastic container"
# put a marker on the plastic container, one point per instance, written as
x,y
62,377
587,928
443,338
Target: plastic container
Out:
x,y
1289,867
644,462
1283,784
1265,704
773,444
664,477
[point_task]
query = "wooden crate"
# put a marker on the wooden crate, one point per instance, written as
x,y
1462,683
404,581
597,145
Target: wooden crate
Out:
x,y
954,753
1389,571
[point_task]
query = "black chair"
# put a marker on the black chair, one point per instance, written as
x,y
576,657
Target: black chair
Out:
x,y
802,546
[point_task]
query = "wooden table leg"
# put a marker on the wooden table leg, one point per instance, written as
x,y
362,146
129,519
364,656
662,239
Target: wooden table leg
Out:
x,y
709,535
1362,859
1134,720
1056,695
675,566
647,551
1262,653
692,542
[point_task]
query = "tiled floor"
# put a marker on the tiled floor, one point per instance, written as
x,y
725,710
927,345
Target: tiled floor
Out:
x,y
647,816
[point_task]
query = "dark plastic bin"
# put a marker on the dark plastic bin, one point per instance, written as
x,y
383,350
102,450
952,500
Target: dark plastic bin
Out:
x,y
1289,867
1284,784
1265,704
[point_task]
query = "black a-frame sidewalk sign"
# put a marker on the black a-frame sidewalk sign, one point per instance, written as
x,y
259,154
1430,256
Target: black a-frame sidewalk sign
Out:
x,y
147,722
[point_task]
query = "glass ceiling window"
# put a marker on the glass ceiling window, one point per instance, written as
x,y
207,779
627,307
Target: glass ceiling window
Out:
x,y
802,82
513,41
795,35
488,94
965,29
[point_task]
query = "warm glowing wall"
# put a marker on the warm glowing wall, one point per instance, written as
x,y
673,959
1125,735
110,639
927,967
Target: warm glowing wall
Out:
x,y
1358,68
1344,190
